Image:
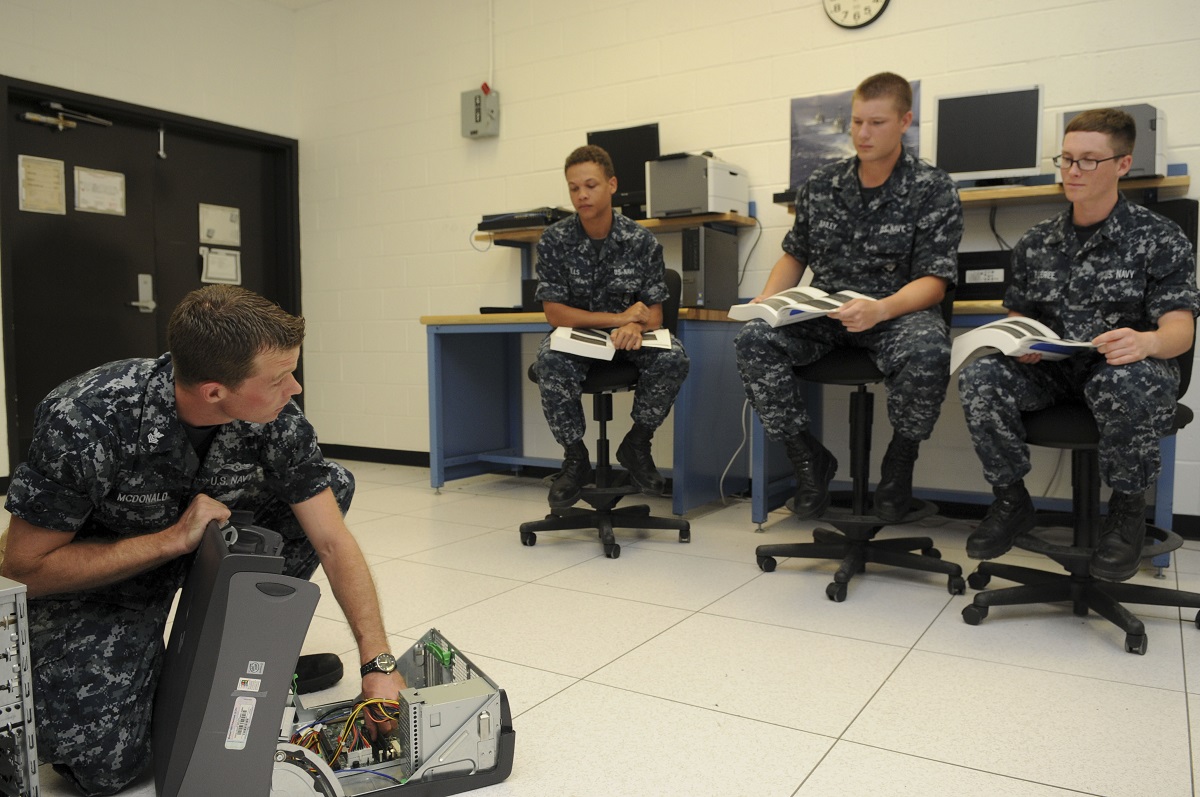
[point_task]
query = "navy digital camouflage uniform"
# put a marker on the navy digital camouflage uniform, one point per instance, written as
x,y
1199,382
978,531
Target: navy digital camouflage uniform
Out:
x,y
629,268
1135,267
110,459
910,228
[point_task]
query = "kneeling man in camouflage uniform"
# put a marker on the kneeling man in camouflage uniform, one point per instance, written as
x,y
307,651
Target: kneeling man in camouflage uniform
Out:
x,y
129,463
1106,271
598,269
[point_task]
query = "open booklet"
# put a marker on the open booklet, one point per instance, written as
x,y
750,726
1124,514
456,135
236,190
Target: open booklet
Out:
x,y
794,304
597,343
1014,336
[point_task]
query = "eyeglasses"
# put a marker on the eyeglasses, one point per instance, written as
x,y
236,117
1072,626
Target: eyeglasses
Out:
x,y
1084,164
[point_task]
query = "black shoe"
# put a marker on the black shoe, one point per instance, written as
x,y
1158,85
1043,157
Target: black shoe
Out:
x,y
893,496
1119,553
815,467
576,472
1009,516
317,671
634,456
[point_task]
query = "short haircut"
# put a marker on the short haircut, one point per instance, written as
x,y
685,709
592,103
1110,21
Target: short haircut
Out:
x,y
216,332
886,84
592,154
1116,124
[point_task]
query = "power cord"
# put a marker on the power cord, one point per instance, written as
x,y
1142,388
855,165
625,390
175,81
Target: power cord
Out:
x,y
741,445
745,265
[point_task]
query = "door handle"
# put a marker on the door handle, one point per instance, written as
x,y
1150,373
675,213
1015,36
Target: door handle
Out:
x,y
145,301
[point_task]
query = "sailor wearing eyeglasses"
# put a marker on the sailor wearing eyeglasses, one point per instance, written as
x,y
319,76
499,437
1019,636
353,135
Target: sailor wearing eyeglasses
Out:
x,y
1107,271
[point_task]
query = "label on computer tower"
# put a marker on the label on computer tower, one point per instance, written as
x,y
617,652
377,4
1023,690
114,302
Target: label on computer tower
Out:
x,y
984,275
239,723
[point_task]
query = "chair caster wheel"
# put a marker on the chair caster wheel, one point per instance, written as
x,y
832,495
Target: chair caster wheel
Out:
x,y
612,550
956,585
767,565
1136,643
836,592
973,615
685,535
932,553
528,538
980,580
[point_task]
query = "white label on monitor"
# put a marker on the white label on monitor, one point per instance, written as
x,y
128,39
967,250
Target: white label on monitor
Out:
x,y
239,723
984,275
249,684
256,668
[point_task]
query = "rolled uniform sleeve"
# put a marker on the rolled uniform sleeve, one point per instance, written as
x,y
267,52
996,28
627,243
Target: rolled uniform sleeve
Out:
x,y
939,227
294,469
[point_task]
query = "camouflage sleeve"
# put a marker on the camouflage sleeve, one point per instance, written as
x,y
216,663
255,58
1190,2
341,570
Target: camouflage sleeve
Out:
x,y
654,289
69,470
939,229
551,269
1015,295
1172,276
795,243
293,466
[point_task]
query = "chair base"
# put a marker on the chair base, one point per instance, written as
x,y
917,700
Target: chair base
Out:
x,y
604,517
1077,586
854,544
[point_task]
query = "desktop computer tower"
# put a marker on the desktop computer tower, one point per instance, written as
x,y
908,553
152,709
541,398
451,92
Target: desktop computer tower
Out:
x,y
710,268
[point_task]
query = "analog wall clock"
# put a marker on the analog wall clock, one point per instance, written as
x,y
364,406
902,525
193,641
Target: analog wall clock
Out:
x,y
855,13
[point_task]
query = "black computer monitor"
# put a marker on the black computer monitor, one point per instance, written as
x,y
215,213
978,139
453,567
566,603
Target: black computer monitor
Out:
x,y
629,148
993,136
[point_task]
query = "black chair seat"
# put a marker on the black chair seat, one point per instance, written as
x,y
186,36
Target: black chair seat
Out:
x,y
848,366
605,376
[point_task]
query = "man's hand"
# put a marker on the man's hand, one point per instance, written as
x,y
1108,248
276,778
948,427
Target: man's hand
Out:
x,y
189,529
859,315
1123,346
636,313
381,686
628,337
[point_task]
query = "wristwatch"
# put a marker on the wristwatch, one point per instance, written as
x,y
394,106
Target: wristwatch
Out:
x,y
384,663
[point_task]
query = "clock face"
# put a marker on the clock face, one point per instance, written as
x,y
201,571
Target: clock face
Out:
x,y
854,13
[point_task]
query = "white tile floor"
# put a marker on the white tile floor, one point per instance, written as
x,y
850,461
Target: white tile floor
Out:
x,y
685,670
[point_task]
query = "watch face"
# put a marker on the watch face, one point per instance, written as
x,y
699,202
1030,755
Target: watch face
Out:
x,y
386,662
854,13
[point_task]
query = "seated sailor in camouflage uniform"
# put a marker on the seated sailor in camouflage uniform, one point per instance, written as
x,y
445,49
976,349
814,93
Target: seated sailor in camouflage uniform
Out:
x,y
599,269
886,225
1106,271
129,463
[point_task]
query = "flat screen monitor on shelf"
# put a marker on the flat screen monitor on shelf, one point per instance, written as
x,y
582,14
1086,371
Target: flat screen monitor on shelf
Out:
x,y
629,148
992,136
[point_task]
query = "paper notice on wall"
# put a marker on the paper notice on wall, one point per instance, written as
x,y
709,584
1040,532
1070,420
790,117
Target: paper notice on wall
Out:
x,y
98,191
42,185
221,265
220,225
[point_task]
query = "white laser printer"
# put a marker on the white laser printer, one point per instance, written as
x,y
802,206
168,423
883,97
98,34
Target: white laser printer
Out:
x,y
686,185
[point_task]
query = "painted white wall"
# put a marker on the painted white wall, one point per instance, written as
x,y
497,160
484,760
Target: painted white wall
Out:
x,y
391,192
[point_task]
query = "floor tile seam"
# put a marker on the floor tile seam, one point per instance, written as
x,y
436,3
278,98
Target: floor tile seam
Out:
x,y
539,583
783,627
1187,712
517,581
709,709
958,765
1048,671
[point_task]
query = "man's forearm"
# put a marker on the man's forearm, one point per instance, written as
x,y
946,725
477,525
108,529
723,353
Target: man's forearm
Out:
x,y
354,588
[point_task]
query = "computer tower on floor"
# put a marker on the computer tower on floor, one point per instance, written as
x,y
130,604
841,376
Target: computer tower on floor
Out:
x,y
710,268
18,741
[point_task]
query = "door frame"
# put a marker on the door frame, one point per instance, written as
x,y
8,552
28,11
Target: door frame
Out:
x,y
284,152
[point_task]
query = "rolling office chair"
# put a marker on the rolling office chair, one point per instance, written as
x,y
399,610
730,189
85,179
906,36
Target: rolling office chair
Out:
x,y
1070,538
604,379
850,512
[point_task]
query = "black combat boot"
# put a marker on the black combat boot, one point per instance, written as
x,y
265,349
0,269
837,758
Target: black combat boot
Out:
x,y
815,467
893,496
1120,550
576,472
1009,516
634,456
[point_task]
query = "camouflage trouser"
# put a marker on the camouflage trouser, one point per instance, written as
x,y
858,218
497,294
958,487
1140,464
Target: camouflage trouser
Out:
x,y
559,376
96,664
1134,406
912,351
